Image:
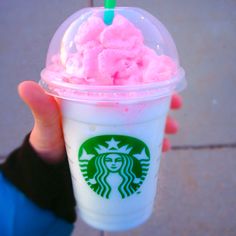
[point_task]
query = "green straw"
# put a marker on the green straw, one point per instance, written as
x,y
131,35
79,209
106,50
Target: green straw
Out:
x,y
109,13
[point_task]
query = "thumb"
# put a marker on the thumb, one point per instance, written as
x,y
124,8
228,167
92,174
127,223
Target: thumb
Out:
x,y
46,136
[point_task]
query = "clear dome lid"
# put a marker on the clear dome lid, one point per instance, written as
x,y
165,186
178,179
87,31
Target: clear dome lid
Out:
x,y
134,53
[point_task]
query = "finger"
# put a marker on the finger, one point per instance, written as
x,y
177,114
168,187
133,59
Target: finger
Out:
x,y
43,107
46,136
166,145
172,126
176,101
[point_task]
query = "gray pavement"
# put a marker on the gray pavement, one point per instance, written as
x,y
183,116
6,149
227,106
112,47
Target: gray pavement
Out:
x,y
192,199
197,182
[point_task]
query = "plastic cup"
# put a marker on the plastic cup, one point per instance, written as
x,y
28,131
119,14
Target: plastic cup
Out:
x,y
113,134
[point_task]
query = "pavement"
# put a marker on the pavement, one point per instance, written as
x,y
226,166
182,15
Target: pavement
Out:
x,y
197,180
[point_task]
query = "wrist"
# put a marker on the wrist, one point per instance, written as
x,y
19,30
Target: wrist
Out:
x,y
47,184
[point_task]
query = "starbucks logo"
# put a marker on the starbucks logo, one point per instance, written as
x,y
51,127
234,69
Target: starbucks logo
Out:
x,y
114,164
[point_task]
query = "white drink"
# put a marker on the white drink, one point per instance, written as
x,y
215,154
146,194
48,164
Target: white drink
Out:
x,y
144,121
114,83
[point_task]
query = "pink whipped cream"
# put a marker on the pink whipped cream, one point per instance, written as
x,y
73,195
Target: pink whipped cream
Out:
x,y
111,55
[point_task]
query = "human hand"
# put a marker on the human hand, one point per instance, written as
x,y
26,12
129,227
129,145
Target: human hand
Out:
x,y
171,124
47,136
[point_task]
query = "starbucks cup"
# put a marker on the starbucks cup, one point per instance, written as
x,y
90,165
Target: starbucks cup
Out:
x,y
113,132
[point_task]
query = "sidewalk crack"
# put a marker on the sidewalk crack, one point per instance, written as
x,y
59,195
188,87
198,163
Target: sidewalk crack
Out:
x,y
91,3
202,147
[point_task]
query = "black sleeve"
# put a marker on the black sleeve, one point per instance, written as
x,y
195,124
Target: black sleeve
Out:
x,y
47,185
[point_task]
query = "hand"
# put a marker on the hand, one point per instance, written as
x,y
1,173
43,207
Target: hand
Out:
x,y
47,136
171,124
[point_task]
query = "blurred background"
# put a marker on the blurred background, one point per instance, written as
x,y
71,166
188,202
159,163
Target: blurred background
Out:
x,y
197,181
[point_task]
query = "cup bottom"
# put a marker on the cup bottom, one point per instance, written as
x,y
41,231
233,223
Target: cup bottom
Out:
x,y
115,222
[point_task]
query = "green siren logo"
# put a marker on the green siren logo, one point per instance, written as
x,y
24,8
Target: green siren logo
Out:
x,y
114,164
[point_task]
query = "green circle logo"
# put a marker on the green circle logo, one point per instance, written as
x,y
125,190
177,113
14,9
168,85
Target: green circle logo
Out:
x,y
113,164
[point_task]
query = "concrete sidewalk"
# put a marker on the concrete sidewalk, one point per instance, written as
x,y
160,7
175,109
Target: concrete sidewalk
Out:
x,y
197,181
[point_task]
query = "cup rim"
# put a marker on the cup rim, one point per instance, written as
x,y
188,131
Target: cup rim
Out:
x,y
110,93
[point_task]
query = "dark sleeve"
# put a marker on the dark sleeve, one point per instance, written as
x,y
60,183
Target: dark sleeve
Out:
x,y
47,185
